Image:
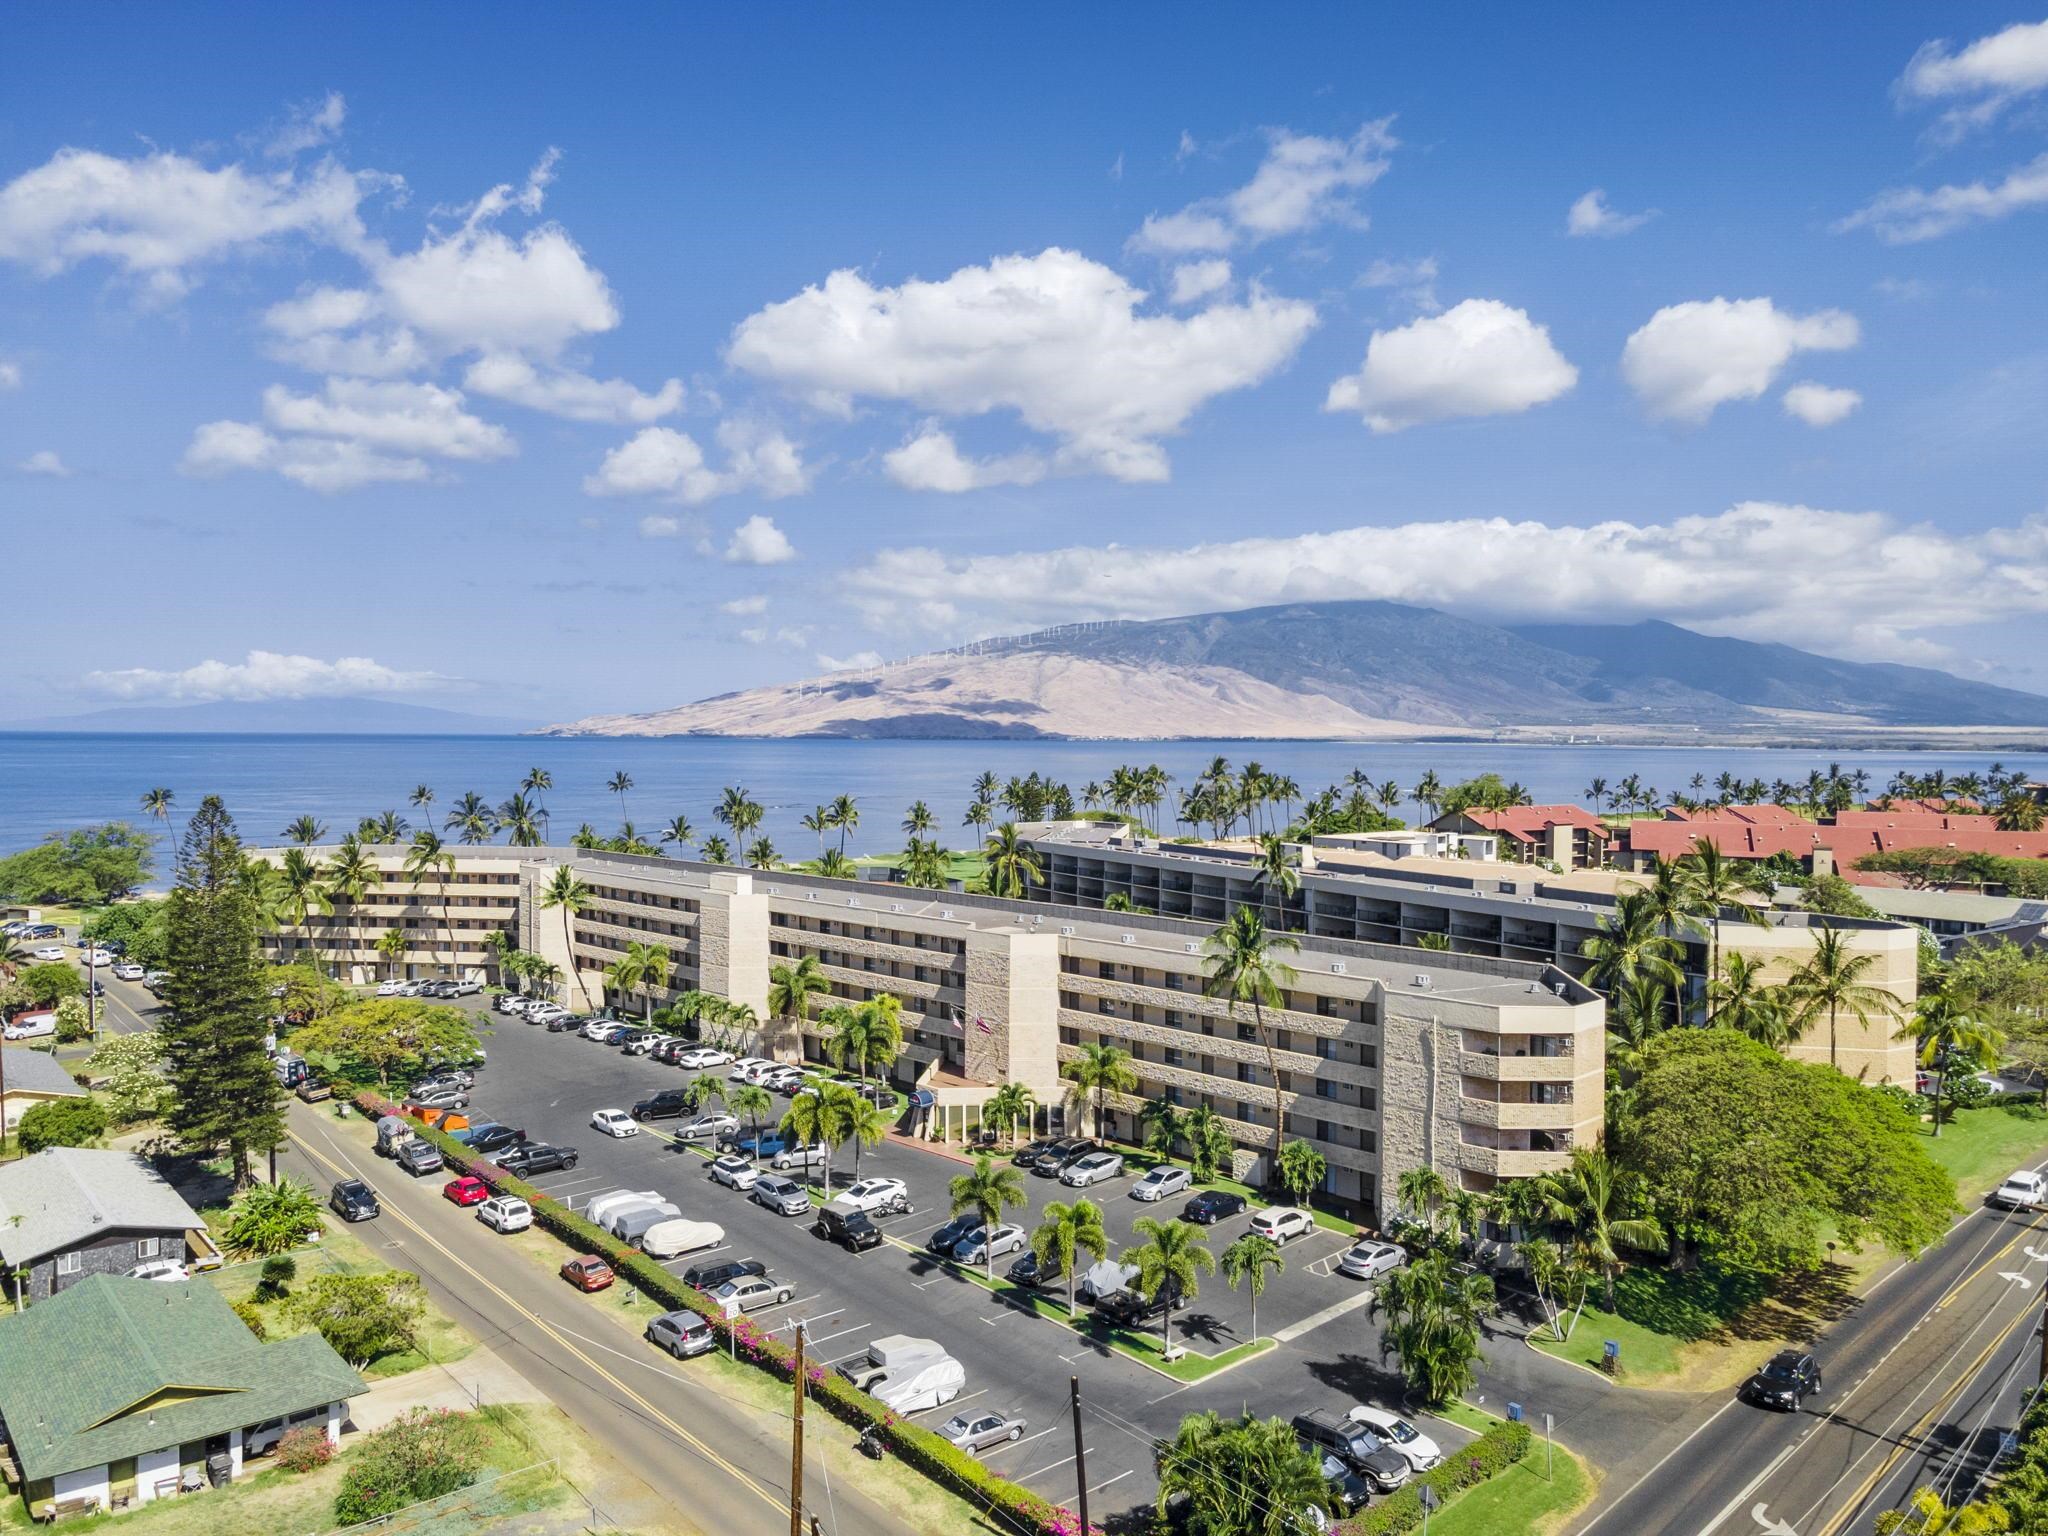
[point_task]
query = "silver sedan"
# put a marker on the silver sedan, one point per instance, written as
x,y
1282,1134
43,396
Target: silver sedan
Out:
x,y
972,1431
1369,1260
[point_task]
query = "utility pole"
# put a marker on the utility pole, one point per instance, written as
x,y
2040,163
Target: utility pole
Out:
x,y
2044,1339
1080,1450
796,1443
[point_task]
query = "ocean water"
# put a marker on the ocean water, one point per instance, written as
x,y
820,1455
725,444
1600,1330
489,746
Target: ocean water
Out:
x,y
50,782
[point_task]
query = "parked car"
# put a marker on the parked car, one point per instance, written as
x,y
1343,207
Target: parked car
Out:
x,y
537,1157
847,1226
676,1236
597,1029
587,1272
600,1209
390,988
2025,1190
682,1333
1368,1260
1104,1279
762,1143
1162,1181
1031,1151
1282,1223
748,1069
1092,1169
166,1270
492,1139
419,1157
977,1247
1028,1271
312,1091
1047,1164
713,1273
737,1296
467,1190
877,1197
812,1156
1787,1378
50,952
987,1426
703,1056
128,970
353,1200
734,1171
942,1242
891,1357
709,1126
629,1226
1422,1452
1132,1309
505,1213
29,1026
447,1096
783,1196
929,1384
614,1122
1356,1446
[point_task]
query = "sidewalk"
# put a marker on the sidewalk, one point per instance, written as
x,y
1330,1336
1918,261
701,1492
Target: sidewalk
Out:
x,y
481,1376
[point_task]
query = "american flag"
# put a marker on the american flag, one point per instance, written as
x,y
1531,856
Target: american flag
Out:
x,y
983,1025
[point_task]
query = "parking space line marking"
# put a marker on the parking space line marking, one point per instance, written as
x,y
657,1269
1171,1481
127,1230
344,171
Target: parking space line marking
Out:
x,y
1018,1445
969,1397
1316,1319
1068,1461
1117,1479
842,1333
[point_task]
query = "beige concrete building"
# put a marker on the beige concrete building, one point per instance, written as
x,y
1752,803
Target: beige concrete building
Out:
x,y
446,922
1485,1067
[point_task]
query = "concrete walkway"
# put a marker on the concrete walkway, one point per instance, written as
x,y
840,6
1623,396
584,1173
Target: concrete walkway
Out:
x,y
482,1376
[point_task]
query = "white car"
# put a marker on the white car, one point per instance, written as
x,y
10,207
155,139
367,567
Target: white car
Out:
x,y
703,1056
504,1213
159,1269
597,1027
1007,1239
1162,1181
749,1069
390,989
735,1172
1369,1260
50,952
885,1196
744,1295
128,970
544,1013
812,1156
1092,1169
2022,1191
1281,1222
95,957
511,1002
30,1026
615,1122
1399,1435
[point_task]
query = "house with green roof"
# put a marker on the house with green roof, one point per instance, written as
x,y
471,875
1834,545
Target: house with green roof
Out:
x,y
118,1391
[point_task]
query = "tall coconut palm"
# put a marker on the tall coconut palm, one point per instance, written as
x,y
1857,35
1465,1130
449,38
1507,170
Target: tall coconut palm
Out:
x,y
1064,1233
520,821
429,859
302,889
866,1123
979,814
792,991
618,784
422,800
1739,999
1279,876
1831,982
1243,967
1631,941
867,1035
987,1189
819,820
716,850
642,968
536,781
918,820
1248,1262
1010,1103
156,804
1422,1191
1950,1039
349,879
820,1119
1170,1253
678,831
305,831
837,866
565,891
845,816
1012,867
1588,1197
760,854
751,1100
391,945
1716,885
470,819
1429,793
1096,1073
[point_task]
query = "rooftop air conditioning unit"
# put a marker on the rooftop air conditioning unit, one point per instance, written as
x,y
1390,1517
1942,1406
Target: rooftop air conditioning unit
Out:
x,y
945,911
853,901
1067,928
1130,938
895,906
1337,967
1193,949
1419,981
1559,988
1534,986
810,895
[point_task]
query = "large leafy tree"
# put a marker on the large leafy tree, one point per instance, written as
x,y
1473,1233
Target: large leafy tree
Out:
x,y
389,1036
1240,1477
88,866
217,1018
1750,1159
1244,968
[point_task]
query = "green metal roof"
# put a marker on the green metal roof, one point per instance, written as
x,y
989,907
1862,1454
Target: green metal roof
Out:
x,y
112,1367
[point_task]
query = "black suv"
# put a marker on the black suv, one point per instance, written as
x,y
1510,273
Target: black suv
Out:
x,y
353,1200
1056,1158
1787,1378
1356,1446
1028,1154
708,1277
943,1241
537,1157
1028,1271
1043,1150
1127,1309
1212,1206
850,1229
665,1105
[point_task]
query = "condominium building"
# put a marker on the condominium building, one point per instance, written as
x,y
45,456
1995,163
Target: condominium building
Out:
x,y
1569,836
1483,1067
446,920
1468,906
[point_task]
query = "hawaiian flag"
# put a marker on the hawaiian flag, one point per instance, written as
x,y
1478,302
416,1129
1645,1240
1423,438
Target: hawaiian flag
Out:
x,y
983,1025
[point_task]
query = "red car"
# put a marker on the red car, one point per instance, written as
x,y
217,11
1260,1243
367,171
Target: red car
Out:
x,y
588,1273
467,1190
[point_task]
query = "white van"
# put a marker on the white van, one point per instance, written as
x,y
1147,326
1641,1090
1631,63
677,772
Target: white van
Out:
x,y
668,1239
30,1026
599,1211
932,1384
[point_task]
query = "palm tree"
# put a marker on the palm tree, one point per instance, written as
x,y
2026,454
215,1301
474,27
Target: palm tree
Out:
x,y
919,819
1278,875
536,780
305,831
1161,1120
704,1087
302,889
1421,1190
1248,1262
1010,1103
1597,793
1065,1232
820,1118
1172,1252
820,822
422,800
866,1123
350,878
751,1100
1716,885
1012,867
156,804
470,819
427,860
1832,979
834,865
1429,793
791,991
1631,942
2019,812
760,854
384,827
1243,968
1739,999
845,816
521,821
678,831
642,968
1950,1037
391,945
1208,1142
566,891
716,851
867,1035
988,1189
618,784
1099,1070
1432,1311
979,814
1589,1197
1246,1476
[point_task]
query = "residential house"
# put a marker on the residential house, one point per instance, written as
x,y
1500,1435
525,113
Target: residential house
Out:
x,y
29,1078
71,1212
1569,836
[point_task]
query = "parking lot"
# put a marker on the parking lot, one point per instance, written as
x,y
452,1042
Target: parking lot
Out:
x,y
549,1084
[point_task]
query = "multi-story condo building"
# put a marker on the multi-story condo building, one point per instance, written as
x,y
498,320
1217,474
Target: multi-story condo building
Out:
x,y
447,920
1353,889
1484,1067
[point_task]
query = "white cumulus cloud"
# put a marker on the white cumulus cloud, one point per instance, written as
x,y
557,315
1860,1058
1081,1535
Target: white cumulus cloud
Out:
x,y
932,461
406,418
308,125
45,462
1690,358
745,607
1304,182
1907,215
1820,405
565,392
1478,358
1194,281
758,541
1856,584
660,525
1055,337
319,464
1413,282
660,461
264,675
1590,215
1988,75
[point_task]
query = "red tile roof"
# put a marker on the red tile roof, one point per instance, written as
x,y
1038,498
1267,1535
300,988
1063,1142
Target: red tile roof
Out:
x,y
1750,815
1913,815
1734,837
1526,822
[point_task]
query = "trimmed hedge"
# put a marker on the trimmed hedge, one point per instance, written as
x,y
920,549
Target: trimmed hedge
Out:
x,y
1488,1456
945,1464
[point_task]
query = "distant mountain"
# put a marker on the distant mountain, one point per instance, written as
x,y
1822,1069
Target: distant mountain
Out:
x,y
1343,670
293,717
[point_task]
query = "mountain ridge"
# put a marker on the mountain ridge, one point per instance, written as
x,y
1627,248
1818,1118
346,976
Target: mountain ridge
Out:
x,y
277,717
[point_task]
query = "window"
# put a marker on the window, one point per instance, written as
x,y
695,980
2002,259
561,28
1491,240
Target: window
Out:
x,y
147,1247
1247,1032
1326,1048
70,1263
1325,1089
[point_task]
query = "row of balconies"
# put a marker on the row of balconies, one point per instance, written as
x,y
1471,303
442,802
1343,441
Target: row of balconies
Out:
x,y
1248,1134
1512,1117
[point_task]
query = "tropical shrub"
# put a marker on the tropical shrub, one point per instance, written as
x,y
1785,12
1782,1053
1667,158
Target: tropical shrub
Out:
x,y
305,1449
424,1455
272,1218
1488,1456
61,1123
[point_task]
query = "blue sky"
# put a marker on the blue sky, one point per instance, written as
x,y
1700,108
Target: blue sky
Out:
x,y
340,361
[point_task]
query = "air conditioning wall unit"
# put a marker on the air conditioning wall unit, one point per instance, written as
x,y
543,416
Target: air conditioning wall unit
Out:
x,y
1192,948
1067,929
1337,967
1420,980
1130,938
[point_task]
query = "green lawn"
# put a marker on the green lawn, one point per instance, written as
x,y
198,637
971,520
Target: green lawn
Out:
x,y
1658,1314
1981,1146
1532,1498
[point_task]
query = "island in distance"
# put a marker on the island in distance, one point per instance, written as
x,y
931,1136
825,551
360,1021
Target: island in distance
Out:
x,y
1356,671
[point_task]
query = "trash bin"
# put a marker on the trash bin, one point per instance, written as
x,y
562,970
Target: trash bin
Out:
x,y
220,1469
